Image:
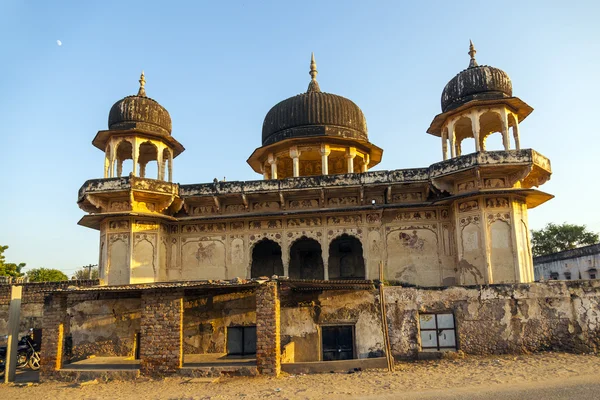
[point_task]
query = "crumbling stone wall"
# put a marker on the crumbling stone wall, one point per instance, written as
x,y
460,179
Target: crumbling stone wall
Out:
x,y
499,319
207,316
303,313
102,327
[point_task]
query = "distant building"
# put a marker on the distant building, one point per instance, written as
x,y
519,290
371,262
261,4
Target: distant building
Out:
x,y
581,263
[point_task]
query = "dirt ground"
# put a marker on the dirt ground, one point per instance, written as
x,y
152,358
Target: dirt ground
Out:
x,y
411,379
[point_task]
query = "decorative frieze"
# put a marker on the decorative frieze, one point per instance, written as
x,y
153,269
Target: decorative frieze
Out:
x,y
466,186
344,220
342,201
470,205
118,225
304,222
497,202
492,183
203,228
415,215
266,224
409,197
306,203
471,219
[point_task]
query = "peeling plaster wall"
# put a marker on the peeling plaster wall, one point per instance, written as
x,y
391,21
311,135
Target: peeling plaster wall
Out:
x,y
206,318
501,319
302,314
103,327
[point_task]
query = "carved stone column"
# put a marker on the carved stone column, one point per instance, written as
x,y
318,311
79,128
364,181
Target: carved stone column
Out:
x,y
452,139
272,160
170,166
476,129
444,146
136,151
516,132
325,151
505,137
366,161
295,155
350,154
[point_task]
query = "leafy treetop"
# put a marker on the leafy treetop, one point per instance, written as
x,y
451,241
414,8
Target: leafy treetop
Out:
x,y
9,269
554,238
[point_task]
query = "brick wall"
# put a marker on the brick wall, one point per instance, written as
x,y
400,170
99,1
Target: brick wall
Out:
x,y
268,360
161,330
56,327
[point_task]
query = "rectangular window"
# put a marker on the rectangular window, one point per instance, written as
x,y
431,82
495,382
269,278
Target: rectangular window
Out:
x,y
337,342
437,331
241,340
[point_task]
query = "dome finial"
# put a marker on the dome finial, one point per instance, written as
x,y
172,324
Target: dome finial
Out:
x,y
142,91
313,86
472,51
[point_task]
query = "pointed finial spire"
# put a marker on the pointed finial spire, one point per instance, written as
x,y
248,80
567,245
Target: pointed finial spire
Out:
x,y
142,91
472,51
313,86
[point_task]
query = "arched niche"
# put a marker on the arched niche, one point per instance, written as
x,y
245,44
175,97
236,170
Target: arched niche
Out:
x,y
306,261
346,259
266,259
490,122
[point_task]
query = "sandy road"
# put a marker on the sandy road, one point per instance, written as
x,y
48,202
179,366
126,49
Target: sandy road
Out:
x,y
538,376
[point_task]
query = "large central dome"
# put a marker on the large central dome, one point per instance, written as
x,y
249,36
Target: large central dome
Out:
x,y
314,113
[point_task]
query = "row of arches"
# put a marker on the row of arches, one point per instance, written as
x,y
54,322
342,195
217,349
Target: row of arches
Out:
x,y
479,125
142,158
345,260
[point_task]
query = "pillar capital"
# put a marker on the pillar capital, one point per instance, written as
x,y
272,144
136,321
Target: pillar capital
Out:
x,y
351,152
294,152
325,150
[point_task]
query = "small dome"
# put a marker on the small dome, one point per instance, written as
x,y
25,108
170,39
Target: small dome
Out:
x,y
478,82
140,112
314,113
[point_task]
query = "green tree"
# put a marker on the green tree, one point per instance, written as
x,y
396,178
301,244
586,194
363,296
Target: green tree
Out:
x,y
9,269
46,275
554,238
84,274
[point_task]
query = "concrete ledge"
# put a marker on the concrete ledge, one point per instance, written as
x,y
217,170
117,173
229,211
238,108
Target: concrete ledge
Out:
x,y
318,367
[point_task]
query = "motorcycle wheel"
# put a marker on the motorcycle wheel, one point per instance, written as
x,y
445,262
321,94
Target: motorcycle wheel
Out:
x,y
21,360
34,361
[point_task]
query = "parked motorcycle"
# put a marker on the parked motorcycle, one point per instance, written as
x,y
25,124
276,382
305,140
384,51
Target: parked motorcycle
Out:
x,y
28,354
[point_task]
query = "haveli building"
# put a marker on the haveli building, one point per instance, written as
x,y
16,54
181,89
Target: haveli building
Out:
x,y
320,213
290,269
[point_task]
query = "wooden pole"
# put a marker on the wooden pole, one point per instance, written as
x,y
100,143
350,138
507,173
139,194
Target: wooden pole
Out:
x,y
14,319
386,337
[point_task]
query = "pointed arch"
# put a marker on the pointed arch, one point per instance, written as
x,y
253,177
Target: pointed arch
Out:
x,y
306,260
266,259
346,259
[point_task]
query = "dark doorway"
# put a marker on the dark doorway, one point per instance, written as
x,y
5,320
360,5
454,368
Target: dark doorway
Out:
x,y
346,259
241,340
266,259
306,261
338,342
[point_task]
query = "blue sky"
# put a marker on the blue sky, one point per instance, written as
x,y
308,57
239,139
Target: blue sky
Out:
x,y
218,67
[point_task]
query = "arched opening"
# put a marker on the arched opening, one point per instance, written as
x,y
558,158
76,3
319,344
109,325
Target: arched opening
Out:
x,y
266,259
463,129
124,164
490,122
346,259
147,159
306,261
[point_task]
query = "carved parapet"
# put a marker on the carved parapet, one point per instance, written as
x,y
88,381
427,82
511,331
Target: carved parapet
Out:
x,y
128,194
